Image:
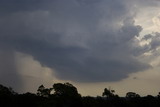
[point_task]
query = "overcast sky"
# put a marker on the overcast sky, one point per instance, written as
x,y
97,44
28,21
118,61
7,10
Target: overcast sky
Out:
x,y
91,43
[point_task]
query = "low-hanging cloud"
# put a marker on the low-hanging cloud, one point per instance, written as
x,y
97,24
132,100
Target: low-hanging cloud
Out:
x,y
82,40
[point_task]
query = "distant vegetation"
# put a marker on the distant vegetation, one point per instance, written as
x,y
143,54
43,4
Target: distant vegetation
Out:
x,y
66,95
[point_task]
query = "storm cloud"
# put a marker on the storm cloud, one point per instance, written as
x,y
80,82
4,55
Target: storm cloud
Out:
x,y
82,40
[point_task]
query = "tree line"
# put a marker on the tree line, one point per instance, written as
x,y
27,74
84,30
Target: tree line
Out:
x,y
66,95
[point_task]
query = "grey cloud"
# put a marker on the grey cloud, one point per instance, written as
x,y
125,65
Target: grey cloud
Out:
x,y
82,41
152,46
9,6
147,37
154,41
8,71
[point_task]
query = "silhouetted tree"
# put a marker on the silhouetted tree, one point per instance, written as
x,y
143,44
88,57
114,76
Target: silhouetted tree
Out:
x,y
158,95
5,91
44,92
66,95
65,89
6,96
132,95
108,93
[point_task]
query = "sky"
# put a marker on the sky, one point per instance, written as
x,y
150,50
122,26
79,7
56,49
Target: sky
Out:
x,y
93,44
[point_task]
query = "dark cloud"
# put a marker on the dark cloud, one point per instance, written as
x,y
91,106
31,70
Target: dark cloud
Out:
x,y
82,40
9,6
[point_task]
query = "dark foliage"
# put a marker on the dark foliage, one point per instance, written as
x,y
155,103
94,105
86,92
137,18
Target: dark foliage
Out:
x,y
66,95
